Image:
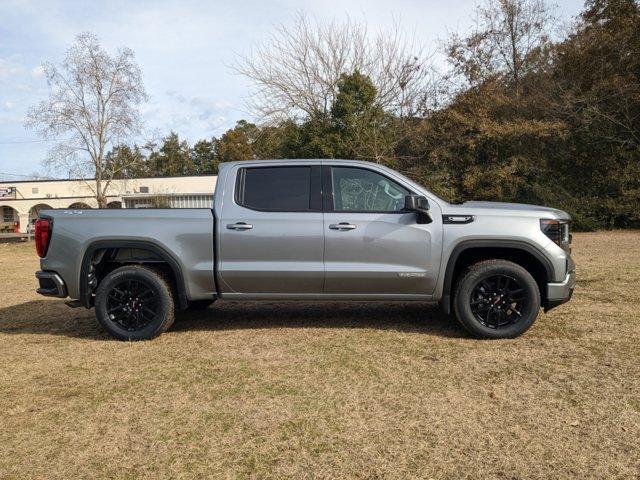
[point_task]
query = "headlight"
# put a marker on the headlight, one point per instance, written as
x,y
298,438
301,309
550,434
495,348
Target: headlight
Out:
x,y
557,231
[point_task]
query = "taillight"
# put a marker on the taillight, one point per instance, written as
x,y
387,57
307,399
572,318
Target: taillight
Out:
x,y
42,235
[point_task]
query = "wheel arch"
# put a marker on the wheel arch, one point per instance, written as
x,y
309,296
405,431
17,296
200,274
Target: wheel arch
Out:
x,y
468,252
94,254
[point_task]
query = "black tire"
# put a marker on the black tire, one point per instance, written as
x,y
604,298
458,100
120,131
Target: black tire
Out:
x,y
496,299
199,305
134,303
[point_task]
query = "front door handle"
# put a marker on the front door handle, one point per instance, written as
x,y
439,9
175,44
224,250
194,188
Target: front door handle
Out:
x,y
239,226
342,226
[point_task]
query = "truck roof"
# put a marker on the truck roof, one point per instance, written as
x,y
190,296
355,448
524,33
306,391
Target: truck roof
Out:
x,y
312,161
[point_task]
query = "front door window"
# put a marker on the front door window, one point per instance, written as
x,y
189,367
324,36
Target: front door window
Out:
x,y
361,190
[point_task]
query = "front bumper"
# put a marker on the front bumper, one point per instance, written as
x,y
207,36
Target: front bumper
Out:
x,y
560,292
51,284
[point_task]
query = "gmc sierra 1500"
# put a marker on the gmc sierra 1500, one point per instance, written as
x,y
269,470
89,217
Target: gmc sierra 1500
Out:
x,y
311,230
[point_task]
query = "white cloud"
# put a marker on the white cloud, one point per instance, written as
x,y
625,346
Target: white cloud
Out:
x,y
193,118
37,72
8,105
9,67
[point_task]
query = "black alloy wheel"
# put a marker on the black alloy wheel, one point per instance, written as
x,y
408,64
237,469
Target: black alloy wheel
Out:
x,y
132,304
498,301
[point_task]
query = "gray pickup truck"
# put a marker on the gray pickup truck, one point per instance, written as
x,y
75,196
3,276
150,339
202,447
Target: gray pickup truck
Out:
x,y
310,230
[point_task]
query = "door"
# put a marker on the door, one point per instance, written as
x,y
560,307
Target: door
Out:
x,y
373,247
271,231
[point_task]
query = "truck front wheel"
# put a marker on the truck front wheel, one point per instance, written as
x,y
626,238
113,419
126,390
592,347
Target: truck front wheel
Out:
x,y
496,299
134,303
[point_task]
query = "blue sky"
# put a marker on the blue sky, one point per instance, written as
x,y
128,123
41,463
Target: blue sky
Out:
x,y
184,48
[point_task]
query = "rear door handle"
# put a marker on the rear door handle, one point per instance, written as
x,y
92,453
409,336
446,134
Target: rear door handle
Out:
x,y
239,226
342,226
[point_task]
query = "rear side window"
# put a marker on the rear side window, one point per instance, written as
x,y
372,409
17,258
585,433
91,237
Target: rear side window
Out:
x,y
276,189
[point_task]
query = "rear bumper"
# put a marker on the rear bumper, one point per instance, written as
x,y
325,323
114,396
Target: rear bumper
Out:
x,y
51,284
560,292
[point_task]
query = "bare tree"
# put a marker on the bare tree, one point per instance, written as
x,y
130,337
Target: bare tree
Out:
x,y
92,105
295,73
503,40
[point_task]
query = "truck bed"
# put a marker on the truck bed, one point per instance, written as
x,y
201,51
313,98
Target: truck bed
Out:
x,y
186,235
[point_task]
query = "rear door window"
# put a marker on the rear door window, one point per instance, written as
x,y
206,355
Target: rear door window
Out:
x,y
275,189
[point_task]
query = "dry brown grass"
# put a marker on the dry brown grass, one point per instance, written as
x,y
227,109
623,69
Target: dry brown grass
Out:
x,y
326,390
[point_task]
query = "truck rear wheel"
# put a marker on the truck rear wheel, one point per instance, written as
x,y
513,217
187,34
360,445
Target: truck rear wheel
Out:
x,y
496,299
134,303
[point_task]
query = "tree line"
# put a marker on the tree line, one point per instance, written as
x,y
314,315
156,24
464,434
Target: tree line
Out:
x,y
521,114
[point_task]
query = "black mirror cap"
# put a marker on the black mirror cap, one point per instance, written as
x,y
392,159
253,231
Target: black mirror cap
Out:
x,y
416,203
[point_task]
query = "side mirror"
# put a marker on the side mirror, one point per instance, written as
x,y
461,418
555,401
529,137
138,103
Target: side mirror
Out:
x,y
420,205
416,203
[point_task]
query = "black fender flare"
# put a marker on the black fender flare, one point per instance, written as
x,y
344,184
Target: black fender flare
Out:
x,y
445,302
85,292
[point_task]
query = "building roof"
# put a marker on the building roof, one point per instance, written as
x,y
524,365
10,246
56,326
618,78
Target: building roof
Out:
x,y
12,182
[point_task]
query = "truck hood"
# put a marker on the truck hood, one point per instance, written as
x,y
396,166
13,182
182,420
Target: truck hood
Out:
x,y
506,208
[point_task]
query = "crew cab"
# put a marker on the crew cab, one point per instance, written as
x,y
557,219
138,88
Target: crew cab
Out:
x,y
309,230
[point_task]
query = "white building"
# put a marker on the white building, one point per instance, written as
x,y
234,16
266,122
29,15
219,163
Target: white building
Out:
x,y
20,201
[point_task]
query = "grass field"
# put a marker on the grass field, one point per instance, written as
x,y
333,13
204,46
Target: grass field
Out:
x,y
312,390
